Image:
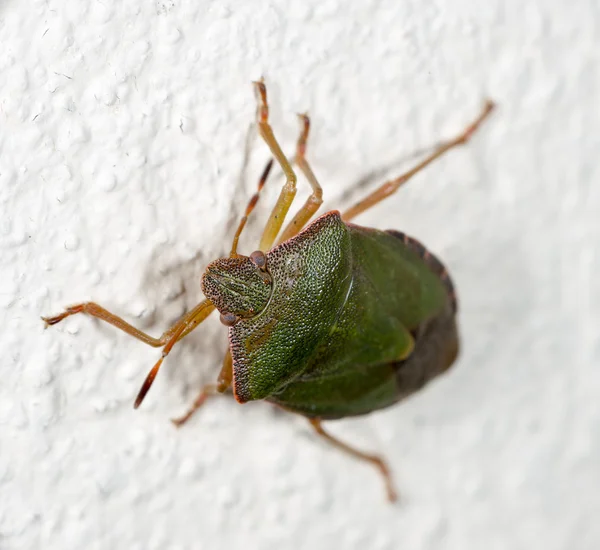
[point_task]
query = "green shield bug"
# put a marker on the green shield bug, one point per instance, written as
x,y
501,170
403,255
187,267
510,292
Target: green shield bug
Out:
x,y
329,320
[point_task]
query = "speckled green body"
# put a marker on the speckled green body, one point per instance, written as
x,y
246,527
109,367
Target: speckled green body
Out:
x,y
355,320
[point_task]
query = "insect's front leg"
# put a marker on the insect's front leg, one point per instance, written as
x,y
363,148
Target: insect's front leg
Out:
x,y
198,313
168,339
222,385
205,393
288,192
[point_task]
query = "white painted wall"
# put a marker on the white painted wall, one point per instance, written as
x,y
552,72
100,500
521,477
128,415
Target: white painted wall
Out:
x,y
122,128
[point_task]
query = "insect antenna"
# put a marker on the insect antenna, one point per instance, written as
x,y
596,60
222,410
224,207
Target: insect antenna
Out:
x,y
251,204
181,329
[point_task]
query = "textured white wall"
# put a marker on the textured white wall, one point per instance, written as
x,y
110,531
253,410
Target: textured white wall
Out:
x,y
122,129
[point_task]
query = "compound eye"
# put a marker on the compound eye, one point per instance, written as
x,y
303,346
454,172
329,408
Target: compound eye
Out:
x,y
259,259
228,319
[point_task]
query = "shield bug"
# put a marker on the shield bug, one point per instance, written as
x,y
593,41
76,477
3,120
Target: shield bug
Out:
x,y
326,319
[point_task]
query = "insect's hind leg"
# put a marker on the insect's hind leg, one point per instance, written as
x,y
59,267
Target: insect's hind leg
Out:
x,y
390,187
375,460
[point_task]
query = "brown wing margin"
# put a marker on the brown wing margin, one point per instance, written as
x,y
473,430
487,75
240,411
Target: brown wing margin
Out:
x,y
436,340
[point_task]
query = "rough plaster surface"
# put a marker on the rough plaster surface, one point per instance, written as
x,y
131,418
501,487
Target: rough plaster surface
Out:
x,y
122,130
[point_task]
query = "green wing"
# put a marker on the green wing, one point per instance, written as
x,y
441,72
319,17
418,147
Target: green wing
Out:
x,y
359,389
370,361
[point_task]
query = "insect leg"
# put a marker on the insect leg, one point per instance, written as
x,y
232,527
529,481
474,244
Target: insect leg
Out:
x,y
316,197
177,332
208,390
168,339
288,192
94,310
251,204
226,375
377,461
392,186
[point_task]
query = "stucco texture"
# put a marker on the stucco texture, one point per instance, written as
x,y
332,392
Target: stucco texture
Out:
x,y
123,127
